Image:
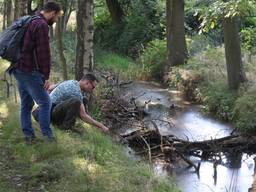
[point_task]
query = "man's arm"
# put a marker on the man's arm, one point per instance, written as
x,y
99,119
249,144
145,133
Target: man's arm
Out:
x,y
88,119
43,49
51,87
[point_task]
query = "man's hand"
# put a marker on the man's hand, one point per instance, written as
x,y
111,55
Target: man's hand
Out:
x,y
104,129
46,84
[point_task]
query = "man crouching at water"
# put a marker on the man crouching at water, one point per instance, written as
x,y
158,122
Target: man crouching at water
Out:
x,y
67,103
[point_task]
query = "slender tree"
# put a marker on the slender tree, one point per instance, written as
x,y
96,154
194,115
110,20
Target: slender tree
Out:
x,y
68,7
9,12
4,15
20,8
61,50
84,49
176,42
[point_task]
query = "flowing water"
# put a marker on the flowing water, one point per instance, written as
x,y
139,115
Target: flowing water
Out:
x,y
174,116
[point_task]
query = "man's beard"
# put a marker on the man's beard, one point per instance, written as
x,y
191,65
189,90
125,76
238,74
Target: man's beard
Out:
x,y
50,22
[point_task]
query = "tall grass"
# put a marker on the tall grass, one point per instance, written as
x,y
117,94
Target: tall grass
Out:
x,y
76,163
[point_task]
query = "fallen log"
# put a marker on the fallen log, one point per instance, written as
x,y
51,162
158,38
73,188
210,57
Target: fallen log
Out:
x,y
150,141
239,143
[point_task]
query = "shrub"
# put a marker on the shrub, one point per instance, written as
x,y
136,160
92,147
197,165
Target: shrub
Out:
x,y
210,63
153,59
245,112
219,100
249,39
188,81
197,44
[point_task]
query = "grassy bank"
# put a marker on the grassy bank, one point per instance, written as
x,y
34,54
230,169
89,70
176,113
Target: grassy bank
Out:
x,y
87,162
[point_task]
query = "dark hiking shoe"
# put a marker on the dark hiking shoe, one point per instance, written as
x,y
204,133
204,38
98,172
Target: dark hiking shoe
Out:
x,y
31,140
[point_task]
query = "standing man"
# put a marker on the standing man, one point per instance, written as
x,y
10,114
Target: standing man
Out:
x,y
33,70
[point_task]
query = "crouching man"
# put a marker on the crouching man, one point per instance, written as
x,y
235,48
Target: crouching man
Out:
x,y
67,103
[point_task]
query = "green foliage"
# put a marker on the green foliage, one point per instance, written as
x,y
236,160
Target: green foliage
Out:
x,y
210,63
219,9
141,24
249,39
219,100
244,113
198,43
153,58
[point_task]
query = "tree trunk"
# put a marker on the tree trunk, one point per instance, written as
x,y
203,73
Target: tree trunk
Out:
x,y
9,12
84,49
4,15
20,8
23,7
16,9
67,12
61,51
235,70
115,11
176,42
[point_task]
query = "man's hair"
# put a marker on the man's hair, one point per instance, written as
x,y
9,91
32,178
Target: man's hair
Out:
x,y
52,6
89,77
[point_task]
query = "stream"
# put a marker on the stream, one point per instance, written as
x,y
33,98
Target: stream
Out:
x,y
174,116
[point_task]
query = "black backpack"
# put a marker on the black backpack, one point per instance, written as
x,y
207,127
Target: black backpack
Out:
x,y
11,39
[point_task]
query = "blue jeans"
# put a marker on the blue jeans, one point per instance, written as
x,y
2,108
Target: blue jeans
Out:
x,y
31,88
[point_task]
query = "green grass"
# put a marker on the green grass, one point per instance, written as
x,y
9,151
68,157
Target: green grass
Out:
x,y
90,162
121,66
109,60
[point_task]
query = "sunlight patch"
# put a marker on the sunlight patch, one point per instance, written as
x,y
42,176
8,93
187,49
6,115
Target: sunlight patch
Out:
x,y
4,111
3,65
85,165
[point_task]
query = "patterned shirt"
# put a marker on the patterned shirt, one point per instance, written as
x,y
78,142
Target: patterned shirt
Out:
x,y
36,38
66,90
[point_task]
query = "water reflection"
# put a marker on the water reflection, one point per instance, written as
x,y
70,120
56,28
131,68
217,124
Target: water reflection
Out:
x,y
233,173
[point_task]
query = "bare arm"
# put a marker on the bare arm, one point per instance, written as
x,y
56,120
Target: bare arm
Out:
x,y
51,87
88,119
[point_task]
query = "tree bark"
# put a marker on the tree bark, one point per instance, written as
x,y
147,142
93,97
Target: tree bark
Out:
x,y
84,49
4,15
235,70
67,12
115,11
16,9
61,50
176,42
20,8
9,12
